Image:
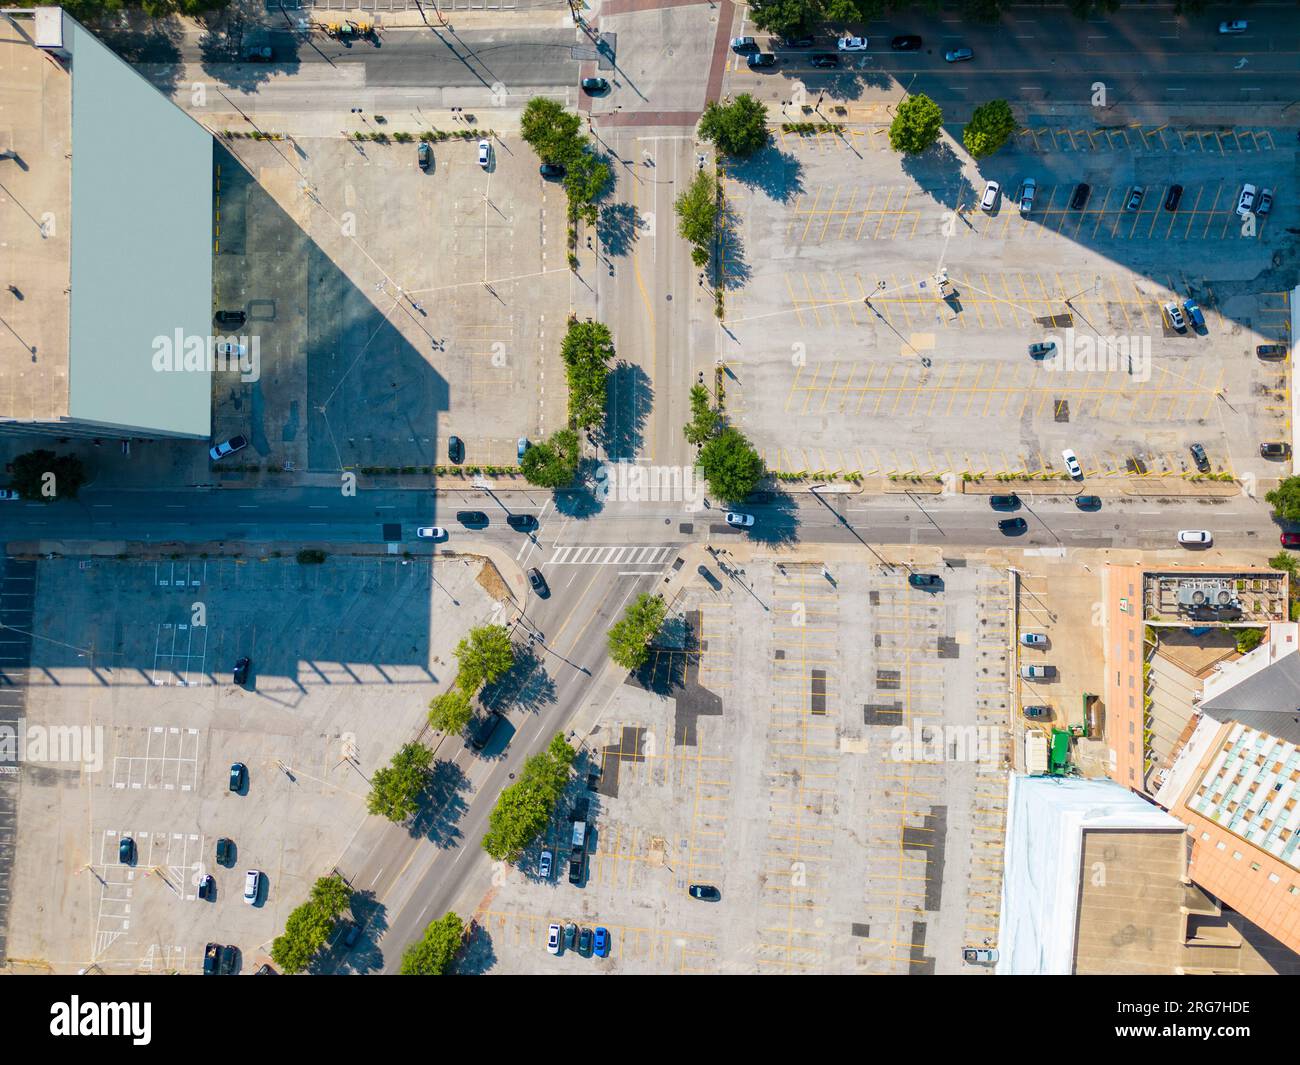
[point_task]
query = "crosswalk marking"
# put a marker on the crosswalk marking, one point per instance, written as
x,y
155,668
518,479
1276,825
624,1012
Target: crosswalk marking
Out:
x,y
607,555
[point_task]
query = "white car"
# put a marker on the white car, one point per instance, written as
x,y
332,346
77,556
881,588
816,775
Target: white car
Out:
x,y
979,955
1037,672
252,885
990,197
553,939
7,494
431,532
1072,466
1195,537
1246,201
484,153
740,521
229,349
1033,639
227,447
1027,191
1175,315
1237,25
851,44
544,866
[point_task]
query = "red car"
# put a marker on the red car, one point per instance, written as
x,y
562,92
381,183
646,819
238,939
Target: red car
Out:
x,y
1291,539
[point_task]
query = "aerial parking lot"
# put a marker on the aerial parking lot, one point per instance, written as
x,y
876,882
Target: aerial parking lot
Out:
x,y
880,318
394,306
837,775
342,659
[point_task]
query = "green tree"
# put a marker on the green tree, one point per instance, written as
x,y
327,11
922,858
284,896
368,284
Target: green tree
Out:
x,y
1286,562
554,463
451,711
395,790
738,129
697,213
524,809
989,127
630,636
1248,640
785,18
433,953
1285,499
982,10
46,476
731,466
585,181
309,926
550,130
705,421
587,350
484,656
916,126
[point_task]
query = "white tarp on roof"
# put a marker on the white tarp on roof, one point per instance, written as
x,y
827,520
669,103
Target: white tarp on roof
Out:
x,y
1046,819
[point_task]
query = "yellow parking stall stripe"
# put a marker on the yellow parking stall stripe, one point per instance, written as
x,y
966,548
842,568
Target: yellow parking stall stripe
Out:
x,y
794,302
811,215
848,213
866,212
829,213
826,392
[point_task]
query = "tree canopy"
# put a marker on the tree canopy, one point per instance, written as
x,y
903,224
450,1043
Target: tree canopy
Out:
x,y
1285,499
587,350
524,809
43,475
550,130
630,636
697,214
732,468
705,421
395,790
738,129
484,656
989,127
451,711
309,926
553,463
917,124
433,953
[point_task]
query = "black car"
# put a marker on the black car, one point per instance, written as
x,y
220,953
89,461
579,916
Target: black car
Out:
x,y
207,887
796,42
211,958
824,61
354,933
1080,197
229,959
705,893
238,776
455,450
1172,197
552,170
230,317
585,938
126,851
576,861
1035,712
1271,351
1274,451
259,54
1013,526
761,60
1200,458
538,583
1009,502
424,155
925,580
1088,502
907,42
707,574
240,675
522,522
225,851
483,729
591,86
473,518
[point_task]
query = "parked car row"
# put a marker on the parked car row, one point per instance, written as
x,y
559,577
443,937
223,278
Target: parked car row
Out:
x,y
570,937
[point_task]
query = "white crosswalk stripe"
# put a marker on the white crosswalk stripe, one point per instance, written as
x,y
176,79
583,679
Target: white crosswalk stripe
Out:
x,y
607,555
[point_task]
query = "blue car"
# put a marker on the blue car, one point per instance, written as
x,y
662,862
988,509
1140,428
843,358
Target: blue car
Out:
x,y
523,446
602,942
1194,314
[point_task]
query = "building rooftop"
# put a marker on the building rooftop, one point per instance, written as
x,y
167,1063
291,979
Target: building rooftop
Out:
x,y
107,214
35,217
